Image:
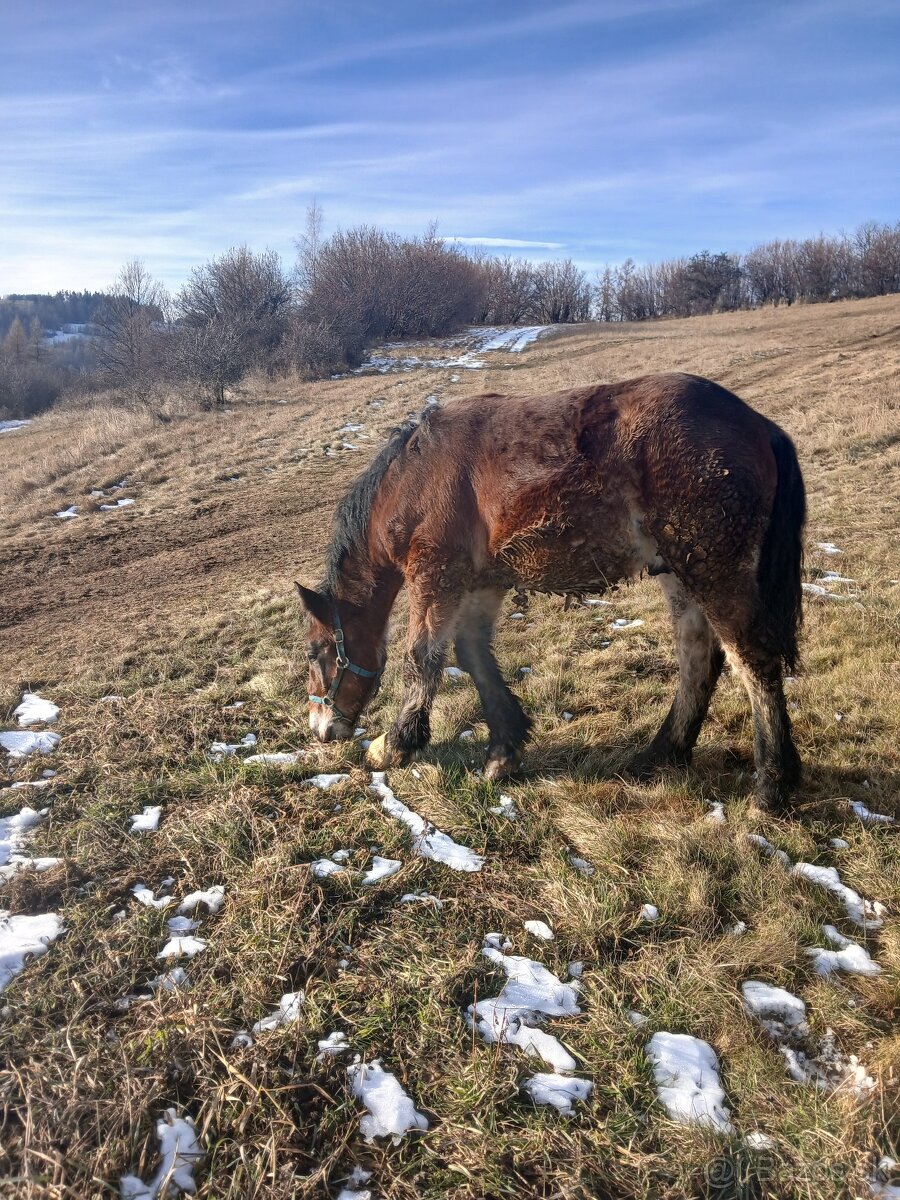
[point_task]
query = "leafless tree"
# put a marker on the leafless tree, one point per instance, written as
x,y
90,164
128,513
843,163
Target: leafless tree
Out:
x,y
130,327
232,315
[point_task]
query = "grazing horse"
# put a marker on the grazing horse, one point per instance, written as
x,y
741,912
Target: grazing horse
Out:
x,y
568,492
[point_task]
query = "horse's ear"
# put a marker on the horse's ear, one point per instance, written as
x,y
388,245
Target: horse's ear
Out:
x,y
314,603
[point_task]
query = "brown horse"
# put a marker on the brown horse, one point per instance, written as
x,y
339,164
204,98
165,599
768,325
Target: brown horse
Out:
x,y
568,492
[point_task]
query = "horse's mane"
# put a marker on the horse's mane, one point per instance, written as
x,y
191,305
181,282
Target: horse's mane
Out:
x,y
351,517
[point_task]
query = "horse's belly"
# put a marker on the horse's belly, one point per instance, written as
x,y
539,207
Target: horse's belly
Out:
x,y
563,560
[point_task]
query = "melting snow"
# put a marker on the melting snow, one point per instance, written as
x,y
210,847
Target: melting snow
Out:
x,y
421,898
839,844
213,898
391,1111
9,426
530,992
816,589
828,548
118,504
862,912
428,841
766,846
849,956
562,1091
582,865
454,673
687,1078
179,925
880,1188
716,812
783,1016
14,834
382,868
20,745
279,758
539,929
219,750
326,781
506,808
67,514
23,938
323,867
175,947
287,1012
180,1152
145,896
146,821
649,912
356,1189
870,818
777,1010
35,710
331,1046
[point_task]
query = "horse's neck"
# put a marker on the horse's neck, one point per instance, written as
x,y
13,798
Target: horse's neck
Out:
x,y
369,585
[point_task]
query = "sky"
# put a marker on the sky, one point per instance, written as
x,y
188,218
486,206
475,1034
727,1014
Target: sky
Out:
x,y
589,129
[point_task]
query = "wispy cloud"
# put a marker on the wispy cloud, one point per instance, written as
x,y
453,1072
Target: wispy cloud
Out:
x,y
587,129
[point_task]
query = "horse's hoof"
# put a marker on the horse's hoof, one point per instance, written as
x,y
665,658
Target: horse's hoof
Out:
x,y
380,755
502,766
642,767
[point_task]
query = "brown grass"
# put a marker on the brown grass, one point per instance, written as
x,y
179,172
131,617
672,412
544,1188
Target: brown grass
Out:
x,y
182,604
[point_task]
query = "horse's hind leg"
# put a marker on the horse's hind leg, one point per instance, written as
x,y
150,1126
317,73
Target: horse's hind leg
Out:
x,y
505,716
777,760
700,660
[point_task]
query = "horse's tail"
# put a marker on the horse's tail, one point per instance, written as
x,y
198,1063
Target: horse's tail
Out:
x,y
779,573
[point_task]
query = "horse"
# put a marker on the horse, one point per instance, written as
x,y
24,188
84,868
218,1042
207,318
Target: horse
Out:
x,y
568,492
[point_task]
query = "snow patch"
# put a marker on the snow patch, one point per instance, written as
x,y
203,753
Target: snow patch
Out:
x,y
868,817
849,956
686,1071
20,745
278,758
783,1016
649,912
176,947
287,1012
539,929
581,865
506,808
67,514
180,1152
23,938
828,548
145,896
381,868
391,1111
560,1091
530,993
323,867
146,821
325,782
865,913
428,841
213,897
35,710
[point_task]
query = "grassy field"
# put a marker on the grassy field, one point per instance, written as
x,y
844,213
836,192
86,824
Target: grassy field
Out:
x,y
180,606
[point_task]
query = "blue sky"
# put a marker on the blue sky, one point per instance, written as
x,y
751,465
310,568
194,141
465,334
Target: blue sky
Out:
x,y
591,129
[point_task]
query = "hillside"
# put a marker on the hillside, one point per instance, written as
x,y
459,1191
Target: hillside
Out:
x,y
162,626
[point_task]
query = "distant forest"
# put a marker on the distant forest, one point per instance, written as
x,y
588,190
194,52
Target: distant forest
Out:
x,y
244,311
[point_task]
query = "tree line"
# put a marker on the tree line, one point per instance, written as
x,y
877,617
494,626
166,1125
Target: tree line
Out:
x,y
244,311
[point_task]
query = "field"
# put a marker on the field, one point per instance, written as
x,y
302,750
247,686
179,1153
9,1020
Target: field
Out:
x,y
163,626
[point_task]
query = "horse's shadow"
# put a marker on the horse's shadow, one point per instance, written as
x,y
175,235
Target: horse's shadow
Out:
x,y
721,770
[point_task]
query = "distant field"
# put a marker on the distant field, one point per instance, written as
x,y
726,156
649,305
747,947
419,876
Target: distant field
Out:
x,y
164,625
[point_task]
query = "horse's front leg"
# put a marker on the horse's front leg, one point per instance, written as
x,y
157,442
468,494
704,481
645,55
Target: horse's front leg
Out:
x,y
430,627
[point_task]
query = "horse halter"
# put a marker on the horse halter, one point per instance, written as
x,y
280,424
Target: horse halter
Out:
x,y
343,664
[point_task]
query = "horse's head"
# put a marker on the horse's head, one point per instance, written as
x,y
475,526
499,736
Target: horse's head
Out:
x,y
340,685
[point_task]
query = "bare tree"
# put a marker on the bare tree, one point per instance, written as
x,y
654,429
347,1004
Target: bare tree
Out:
x,y
130,328
232,316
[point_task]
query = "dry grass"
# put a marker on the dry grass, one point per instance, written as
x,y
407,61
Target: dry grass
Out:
x,y
182,604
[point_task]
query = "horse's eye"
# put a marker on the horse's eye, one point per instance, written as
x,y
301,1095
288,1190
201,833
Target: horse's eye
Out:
x,y
312,655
